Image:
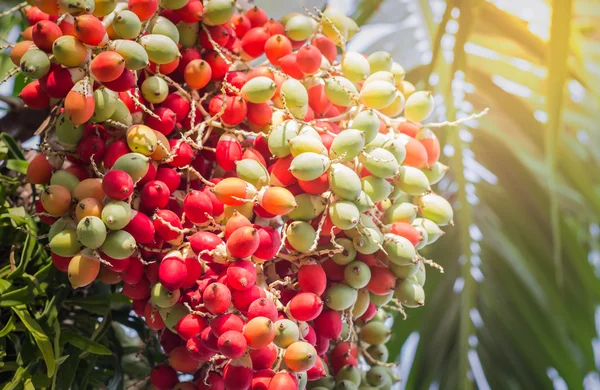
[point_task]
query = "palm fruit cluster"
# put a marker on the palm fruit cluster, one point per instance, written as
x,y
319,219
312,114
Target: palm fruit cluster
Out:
x,y
259,193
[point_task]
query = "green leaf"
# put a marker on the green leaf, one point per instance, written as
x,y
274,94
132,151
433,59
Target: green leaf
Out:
x,y
67,372
20,375
84,343
15,151
16,297
40,337
17,165
9,327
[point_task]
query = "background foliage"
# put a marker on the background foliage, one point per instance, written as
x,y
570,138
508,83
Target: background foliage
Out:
x,y
518,304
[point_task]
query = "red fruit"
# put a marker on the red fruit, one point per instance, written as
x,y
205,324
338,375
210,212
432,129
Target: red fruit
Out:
x,y
123,83
241,275
262,307
234,113
326,47
144,9
277,46
259,114
34,15
257,17
328,324
253,42
263,357
188,54
116,265
432,147
309,59
90,30
237,377
164,222
416,154
172,272
218,65
232,344
165,124
152,272
289,66
243,242
261,379
370,313
407,231
342,355
194,271
216,298
235,222
44,34
191,12
39,209
153,318
170,177
228,151
312,278
334,271
322,345
214,380
190,326
219,35
34,96
317,100
167,68
163,377
154,195
241,25
138,306
79,171
408,128
197,207
178,104
274,27
134,272
61,263
140,290
204,241
382,282
209,339
197,350
113,152
141,228
283,381
316,186
305,306
183,361
218,207
184,154
269,243
225,323
311,336
59,82
91,146
317,371
117,185
107,66
242,299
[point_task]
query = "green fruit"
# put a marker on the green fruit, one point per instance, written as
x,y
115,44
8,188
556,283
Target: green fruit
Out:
x,y
348,373
364,202
59,225
355,67
188,33
357,274
305,143
34,64
344,214
259,90
362,303
340,297
380,61
381,315
376,188
253,172
340,91
65,243
164,26
337,26
375,333
411,180
378,94
116,215
348,143
345,385
379,352
135,164
308,207
433,230
296,97
119,245
403,271
122,114
410,293
76,7
348,254
368,242
155,89
301,235
161,297
400,212
399,73
173,4
309,166
91,232
377,376
65,179
286,333
323,383
419,106
105,104
68,134
397,148
367,122
396,106
134,54
377,142
279,137
420,276
218,12
380,300
435,208
344,182
172,315
127,24
161,49
299,27
380,163
400,250
381,75
436,172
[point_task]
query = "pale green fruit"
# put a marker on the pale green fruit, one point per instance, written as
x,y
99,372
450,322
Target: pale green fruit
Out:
x,y
378,94
340,91
410,293
340,297
259,90
344,214
367,122
435,208
279,137
355,67
419,106
380,61
411,180
348,143
296,97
